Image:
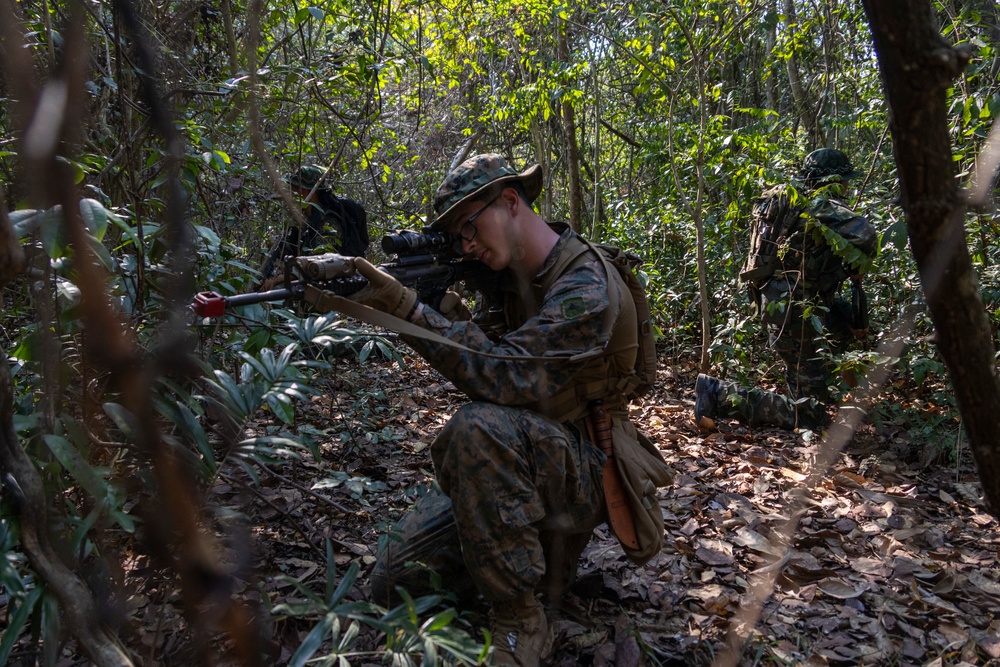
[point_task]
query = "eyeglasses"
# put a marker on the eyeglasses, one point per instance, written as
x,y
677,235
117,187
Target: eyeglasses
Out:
x,y
468,229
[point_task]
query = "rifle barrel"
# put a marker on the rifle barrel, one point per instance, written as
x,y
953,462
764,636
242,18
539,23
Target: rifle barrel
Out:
x,y
213,304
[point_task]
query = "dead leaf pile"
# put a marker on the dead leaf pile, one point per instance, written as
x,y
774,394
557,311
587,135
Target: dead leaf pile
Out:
x,y
877,561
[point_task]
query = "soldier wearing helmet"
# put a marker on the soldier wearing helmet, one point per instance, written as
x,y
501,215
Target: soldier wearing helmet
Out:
x,y
813,244
332,223
819,166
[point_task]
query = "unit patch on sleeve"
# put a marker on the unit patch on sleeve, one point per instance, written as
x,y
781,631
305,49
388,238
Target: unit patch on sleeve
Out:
x,y
573,307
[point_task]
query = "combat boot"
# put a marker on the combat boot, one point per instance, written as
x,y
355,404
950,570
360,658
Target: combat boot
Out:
x,y
706,403
520,632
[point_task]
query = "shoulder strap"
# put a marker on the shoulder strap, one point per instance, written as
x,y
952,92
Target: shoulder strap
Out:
x,y
575,253
328,301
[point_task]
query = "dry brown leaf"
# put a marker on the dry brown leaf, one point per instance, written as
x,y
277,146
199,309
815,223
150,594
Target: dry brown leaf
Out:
x,y
989,640
793,475
714,552
690,527
945,583
838,588
745,537
983,582
931,599
871,566
954,633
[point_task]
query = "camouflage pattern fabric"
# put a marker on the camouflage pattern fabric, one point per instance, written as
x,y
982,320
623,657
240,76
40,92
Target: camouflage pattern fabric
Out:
x,y
825,162
810,277
796,341
477,178
306,176
569,320
810,261
422,553
531,495
527,490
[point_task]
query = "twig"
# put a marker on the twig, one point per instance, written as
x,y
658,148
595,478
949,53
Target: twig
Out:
x,y
308,491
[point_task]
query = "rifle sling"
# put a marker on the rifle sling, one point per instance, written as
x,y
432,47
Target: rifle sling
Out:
x,y
328,301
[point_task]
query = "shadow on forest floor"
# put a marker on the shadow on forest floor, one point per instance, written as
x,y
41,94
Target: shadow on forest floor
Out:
x,y
889,561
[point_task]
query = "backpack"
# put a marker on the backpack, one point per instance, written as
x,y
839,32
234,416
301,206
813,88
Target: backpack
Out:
x,y
625,264
645,359
772,220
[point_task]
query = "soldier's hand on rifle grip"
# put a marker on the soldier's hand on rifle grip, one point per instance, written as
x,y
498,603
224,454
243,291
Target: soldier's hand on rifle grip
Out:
x,y
383,292
454,308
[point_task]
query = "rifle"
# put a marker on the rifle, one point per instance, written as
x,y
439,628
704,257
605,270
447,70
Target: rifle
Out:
x,y
425,262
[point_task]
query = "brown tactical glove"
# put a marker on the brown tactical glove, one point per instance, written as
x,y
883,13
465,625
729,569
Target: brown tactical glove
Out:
x,y
454,308
383,292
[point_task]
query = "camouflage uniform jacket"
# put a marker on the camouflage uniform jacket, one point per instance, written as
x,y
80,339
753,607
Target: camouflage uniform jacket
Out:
x,y
566,318
830,243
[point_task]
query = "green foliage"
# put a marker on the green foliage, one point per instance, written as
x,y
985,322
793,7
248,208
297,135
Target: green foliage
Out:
x,y
418,631
684,114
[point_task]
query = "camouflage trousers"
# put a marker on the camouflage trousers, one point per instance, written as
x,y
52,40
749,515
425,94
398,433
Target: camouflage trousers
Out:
x,y
797,341
520,496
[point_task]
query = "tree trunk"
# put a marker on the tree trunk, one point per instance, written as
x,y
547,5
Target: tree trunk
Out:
x,y
794,82
572,150
771,38
917,66
232,48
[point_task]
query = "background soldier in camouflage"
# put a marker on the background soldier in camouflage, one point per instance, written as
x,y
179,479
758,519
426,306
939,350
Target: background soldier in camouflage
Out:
x,y
520,486
333,224
828,244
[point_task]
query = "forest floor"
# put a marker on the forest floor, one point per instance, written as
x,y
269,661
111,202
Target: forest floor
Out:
x,y
878,560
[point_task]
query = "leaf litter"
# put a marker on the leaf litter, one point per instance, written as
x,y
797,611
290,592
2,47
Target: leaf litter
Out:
x,y
880,561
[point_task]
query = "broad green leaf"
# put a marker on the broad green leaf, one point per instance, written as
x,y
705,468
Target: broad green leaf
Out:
x,y
95,216
195,431
313,641
26,221
53,233
345,584
17,620
51,628
123,419
76,466
302,15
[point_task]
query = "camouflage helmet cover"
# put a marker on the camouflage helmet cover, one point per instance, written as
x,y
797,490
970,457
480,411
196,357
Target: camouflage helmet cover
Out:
x,y
478,177
306,177
827,162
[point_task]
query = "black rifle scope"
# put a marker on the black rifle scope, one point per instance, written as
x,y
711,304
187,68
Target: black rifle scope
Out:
x,y
405,242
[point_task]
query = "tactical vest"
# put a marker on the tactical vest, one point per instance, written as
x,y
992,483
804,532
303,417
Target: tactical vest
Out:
x,y
613,376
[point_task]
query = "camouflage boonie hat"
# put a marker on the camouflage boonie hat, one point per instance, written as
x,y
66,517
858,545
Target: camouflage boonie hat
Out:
x,y
468,181
306,177
827,162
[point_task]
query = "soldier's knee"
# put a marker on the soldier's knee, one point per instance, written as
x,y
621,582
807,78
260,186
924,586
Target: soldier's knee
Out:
x,y
421,552
475,442
473,416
